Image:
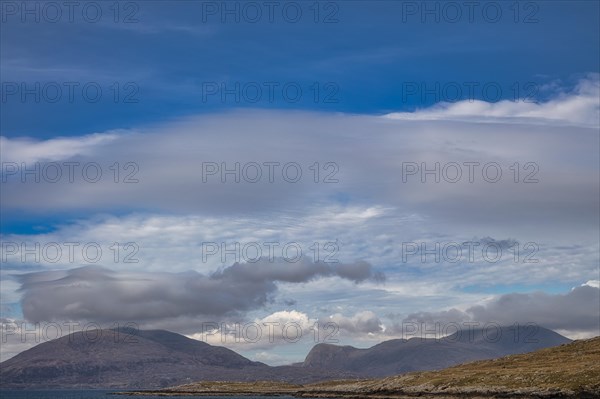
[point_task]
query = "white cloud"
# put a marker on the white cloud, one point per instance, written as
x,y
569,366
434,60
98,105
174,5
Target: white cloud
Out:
x,y
592,283
279,328
52,150
580,108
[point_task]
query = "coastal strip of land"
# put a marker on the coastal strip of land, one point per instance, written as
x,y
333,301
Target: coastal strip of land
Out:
x,y
567,371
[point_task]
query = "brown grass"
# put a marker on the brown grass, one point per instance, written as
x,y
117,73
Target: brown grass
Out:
x,y
571,370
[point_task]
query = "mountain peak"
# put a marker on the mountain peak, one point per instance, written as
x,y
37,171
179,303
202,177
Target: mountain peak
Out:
x,y
401,355
130,358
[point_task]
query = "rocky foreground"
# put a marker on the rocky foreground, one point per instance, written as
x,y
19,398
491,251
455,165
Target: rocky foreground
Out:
x,y
570,370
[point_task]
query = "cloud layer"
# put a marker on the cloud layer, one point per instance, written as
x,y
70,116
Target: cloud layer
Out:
x,y
99,294
547,171
574,313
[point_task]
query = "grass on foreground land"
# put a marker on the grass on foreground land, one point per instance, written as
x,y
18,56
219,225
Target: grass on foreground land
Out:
x,y
571,368
568,370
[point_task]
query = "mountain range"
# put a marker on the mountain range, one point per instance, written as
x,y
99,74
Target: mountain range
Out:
x,y
399,356
566,371
126,358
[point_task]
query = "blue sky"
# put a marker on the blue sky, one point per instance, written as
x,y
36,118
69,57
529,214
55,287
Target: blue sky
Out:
x,y
362,89
366,51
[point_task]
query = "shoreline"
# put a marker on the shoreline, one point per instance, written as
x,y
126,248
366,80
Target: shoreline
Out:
x,y
349,390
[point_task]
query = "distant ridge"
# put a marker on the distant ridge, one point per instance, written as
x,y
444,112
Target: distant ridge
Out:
x,y
400,355
126,358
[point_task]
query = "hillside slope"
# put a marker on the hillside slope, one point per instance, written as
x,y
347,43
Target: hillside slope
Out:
x,y
567,371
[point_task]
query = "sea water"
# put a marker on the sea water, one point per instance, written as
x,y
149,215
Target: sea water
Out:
x,y
103,394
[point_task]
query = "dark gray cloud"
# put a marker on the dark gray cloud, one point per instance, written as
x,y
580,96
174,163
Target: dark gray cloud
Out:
x,y
295,272
357,272
576,311
365,322
100,294
508,243
444,317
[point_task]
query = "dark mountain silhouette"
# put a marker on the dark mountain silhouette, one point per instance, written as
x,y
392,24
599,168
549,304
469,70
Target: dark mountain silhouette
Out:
x,y
400,355
127,358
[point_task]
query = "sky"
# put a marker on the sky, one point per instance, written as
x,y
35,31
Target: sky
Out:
x,y
271,175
